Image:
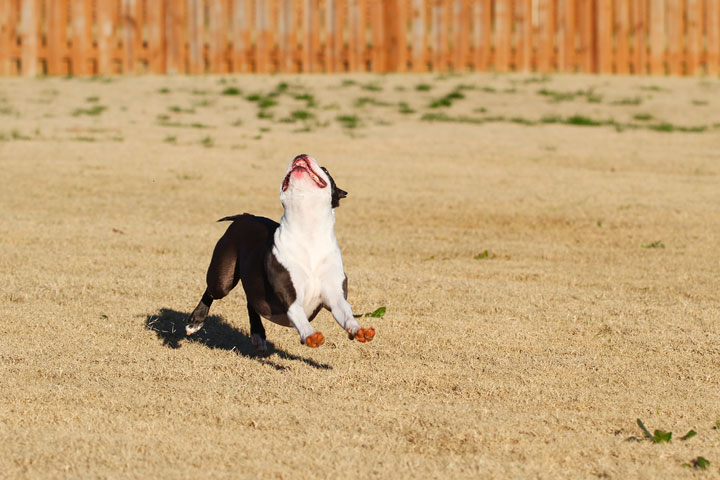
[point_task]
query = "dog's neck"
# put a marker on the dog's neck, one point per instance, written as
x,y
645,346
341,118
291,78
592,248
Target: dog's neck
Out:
x,y
308,221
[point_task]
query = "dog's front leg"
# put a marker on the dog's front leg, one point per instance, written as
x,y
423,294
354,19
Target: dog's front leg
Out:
x,y
342,312
308,336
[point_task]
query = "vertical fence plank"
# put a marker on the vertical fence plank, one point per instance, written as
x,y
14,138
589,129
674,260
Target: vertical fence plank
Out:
x,y
639,29
330,53
675,33
503,31
418,23
622,30
175,21
29,26
81,18
586,14
482,34
262,43
525,35
377,58
546,48
156,36
131,36
218,36
461,33
340,14
604,38
713,37
694,36
566,35
241,19
356,43
5,37
56,36
196,37
287,42
106,41
400,36
657,37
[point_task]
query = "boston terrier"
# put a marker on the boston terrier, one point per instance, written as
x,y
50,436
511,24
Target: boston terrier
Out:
x,y
290,270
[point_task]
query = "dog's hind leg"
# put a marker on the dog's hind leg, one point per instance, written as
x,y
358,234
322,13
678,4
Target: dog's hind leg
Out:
x,y
221,278
257,331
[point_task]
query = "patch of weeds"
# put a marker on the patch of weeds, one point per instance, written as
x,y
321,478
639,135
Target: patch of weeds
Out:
x,y
163,90
163,117
688,435
362,101
205,102
348,121
92,111
482,256
551,119
642,117
466,86
378,313
207,142
307,98
443,117
423,87
83,138
522,121
652,88
92,99
170,139
253,97
266,102
489,90
372,87
335,106
183,125
447,100
655,244
582,121
6,111
348,83
628,101
197,91
231,91
659,436
301,115
540,79
669,127
176,109
480,110
405,109
264,129
701,463
700,103
265,114
557,97
237,123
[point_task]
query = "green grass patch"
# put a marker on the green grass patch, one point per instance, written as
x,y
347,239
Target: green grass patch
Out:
x,y
423,87
583,121
372,87
92,99
93,111
207,142
642,117
362,101
378,313
655,244
348,121
628,101
170,139
233,91
164,90
700,463
700,103
177,109
301,115
448,99
405,109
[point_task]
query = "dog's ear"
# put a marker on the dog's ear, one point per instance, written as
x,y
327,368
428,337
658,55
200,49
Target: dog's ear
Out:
x,y
335,193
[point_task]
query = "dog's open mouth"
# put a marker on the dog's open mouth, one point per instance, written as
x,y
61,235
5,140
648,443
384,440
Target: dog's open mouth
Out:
x,y
302,162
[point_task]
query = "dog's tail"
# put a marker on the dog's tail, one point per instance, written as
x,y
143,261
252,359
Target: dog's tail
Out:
x,y
232,218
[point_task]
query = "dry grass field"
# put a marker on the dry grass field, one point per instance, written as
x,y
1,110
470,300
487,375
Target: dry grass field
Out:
x,y
546,249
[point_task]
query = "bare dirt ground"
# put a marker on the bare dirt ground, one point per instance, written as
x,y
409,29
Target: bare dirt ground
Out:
x,y
546,248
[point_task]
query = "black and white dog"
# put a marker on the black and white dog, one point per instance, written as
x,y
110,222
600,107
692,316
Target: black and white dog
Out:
x,y
290,270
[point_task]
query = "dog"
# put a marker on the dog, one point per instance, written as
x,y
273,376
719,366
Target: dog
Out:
x,y
289,270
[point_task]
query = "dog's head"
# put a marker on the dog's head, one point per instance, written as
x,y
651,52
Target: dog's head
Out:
x,y
306,179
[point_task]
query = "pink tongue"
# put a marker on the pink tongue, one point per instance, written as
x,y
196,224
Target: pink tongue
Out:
x,y
299,172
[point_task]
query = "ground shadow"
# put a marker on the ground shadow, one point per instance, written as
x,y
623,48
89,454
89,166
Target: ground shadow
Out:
x,y
169,326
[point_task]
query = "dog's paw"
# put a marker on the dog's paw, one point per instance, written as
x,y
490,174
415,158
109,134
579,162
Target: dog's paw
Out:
x,y
259,343
315,340
362,335
192,328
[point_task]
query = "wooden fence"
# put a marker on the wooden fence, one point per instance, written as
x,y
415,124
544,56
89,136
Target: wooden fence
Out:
x,y
103,37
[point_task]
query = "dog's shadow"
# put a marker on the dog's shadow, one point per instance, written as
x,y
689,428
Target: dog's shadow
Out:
x,y
169,326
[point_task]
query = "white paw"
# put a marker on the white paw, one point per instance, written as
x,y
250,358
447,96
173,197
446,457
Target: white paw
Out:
x,y
259,343
189,330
